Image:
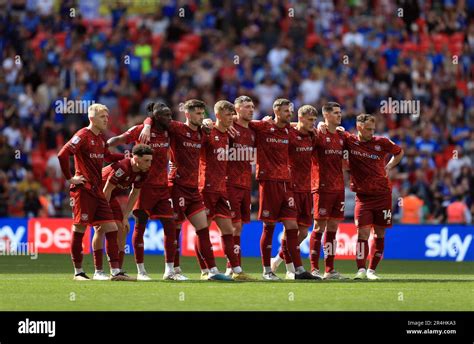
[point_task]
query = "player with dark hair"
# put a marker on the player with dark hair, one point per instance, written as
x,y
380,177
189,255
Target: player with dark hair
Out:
x,y
212,183
300,151
239,169
328,190
116,178
155,199
186,143
369,180
277,202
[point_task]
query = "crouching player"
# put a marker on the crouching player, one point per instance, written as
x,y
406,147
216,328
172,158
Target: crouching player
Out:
x,y
129,172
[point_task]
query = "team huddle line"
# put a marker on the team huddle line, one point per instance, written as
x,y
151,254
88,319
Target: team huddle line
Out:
x,y
202,171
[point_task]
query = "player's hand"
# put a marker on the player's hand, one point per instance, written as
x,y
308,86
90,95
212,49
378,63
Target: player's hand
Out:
x,y
232,132
76,180
145,134
126,225
322,127
341,129
207,125
268,119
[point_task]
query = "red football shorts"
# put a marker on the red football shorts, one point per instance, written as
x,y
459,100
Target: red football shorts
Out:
x,y
156,202
328,205
90,208
240,203
277,202
217,205
304,208
373,210
186,202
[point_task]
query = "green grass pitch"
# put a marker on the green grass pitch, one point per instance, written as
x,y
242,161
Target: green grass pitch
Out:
x,y
46,284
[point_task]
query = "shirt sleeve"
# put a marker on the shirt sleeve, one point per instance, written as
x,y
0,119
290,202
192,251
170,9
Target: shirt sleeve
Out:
x,y
391,147
259,125
174,126
117,174
132,134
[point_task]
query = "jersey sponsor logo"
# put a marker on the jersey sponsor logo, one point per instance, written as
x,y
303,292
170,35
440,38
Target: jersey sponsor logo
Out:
x,y
365,155
442,245
304,149
333,151
160,145
119,173
274,140
96,155
191,145
75,140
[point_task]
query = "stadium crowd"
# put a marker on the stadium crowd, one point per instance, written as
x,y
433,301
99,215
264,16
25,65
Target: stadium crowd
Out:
x,y
358,53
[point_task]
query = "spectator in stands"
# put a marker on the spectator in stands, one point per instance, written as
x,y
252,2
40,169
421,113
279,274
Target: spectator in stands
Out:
x,y
458,212
411,207
31,204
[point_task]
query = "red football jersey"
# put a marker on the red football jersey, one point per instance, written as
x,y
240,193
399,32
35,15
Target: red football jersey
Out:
x,y
367,162
213,162
160,143
122,176
241,153
89,152
326,163
301,150
185,146
272,151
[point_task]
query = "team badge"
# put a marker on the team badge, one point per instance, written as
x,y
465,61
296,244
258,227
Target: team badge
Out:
x,y
119,173
216,138
328,139
92,142
272,130
378,148
75,140
322,211
188,134
298,137
265,213
84,217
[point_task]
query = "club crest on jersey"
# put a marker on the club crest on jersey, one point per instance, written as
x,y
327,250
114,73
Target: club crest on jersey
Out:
x,y
328,139
92,142
378,148
322,211
299,138
272,130
138,178
188,134
153,135
119,173
265,213
216,138
84,217
340,141
75,140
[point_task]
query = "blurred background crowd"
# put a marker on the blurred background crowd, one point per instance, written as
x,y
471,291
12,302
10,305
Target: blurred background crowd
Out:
x,y
127,53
